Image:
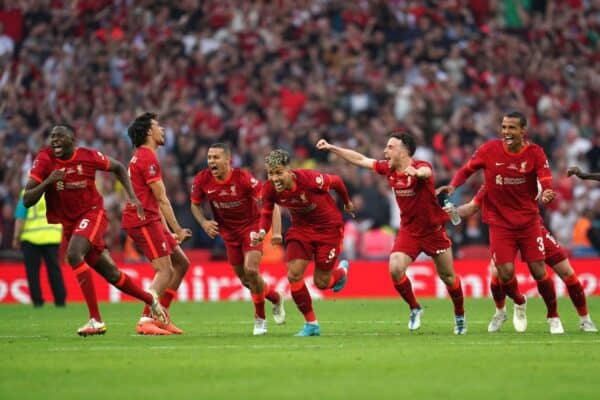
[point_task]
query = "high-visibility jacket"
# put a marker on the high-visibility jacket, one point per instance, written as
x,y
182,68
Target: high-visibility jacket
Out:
x,y
36,229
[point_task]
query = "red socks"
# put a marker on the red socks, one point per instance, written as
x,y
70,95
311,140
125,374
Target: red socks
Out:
x,y
126,285
336,275
576,294
271,294
259,304
456,294
512,290
497,292
546,288
404,287
303,300
86,283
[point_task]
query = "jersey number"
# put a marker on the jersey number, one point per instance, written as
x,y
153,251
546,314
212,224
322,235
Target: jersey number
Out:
x,y
84,223
540,243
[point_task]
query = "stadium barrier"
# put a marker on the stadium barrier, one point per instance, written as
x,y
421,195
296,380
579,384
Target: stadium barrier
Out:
x,y
215,281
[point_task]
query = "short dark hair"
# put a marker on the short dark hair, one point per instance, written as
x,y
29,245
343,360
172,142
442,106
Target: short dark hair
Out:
x,y
518,115
407,139
220,145
277,157
70,128
138,130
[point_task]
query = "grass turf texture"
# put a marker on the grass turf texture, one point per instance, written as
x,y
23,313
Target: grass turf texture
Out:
x,y
366,352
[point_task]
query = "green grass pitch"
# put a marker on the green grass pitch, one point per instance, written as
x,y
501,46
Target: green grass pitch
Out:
x,y
365,352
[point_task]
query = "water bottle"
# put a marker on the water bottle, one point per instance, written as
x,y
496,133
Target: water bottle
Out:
x,y
454,217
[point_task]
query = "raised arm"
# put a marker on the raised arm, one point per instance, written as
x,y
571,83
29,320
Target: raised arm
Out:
x,y
351,156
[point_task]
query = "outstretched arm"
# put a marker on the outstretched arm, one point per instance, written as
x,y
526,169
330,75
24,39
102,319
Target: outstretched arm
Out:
x,y
351,156
594,176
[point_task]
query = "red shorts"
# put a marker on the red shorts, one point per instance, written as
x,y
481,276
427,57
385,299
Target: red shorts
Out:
x,y
92,226
554,253
153,239
324,245
504,244
432,244
238,247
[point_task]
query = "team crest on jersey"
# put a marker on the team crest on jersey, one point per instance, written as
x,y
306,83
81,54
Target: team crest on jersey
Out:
x,y
152,169
253,182
319,180
79,169
303,197
523,167
232,189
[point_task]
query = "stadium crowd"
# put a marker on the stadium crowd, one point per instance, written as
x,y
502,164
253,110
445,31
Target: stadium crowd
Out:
x,y
283,74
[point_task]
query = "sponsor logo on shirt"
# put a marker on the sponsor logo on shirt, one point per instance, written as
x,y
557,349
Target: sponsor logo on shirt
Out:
x,y
404,192
506,180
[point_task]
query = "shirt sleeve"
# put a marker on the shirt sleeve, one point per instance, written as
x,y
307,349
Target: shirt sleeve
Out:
x,y
150,169
196,194
337,184
475,163
478,199
268,204
41,168
100,161
381,167
542,168
254,186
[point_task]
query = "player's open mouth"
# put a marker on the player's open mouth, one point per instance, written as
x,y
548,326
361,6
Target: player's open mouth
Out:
x,y
508,139
278,185
57,149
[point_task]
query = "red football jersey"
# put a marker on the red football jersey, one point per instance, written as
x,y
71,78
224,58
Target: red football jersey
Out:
x,y
309,201
144,169
233,200
76,194
510,182
420,212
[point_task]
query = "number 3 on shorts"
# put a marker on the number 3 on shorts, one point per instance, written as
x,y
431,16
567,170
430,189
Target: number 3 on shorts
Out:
x,y
540,242
84,223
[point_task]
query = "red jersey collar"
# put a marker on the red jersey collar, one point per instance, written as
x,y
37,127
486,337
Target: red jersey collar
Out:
x,y
61,161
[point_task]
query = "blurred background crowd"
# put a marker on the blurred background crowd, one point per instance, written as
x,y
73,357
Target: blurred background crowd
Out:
x,y
284,73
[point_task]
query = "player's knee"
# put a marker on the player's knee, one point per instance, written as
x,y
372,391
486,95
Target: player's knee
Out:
x,y
321,282
251,274
74,258
294,277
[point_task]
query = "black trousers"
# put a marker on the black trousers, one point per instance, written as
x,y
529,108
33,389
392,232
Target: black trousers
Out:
x,y
33,255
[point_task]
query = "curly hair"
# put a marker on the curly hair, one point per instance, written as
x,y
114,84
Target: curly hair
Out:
x,y
138,130
277,157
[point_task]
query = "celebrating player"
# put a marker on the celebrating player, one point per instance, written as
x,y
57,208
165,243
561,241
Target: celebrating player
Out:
x,y
422,223
65,175
512,167
232,194
556,258
317,229
151,234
